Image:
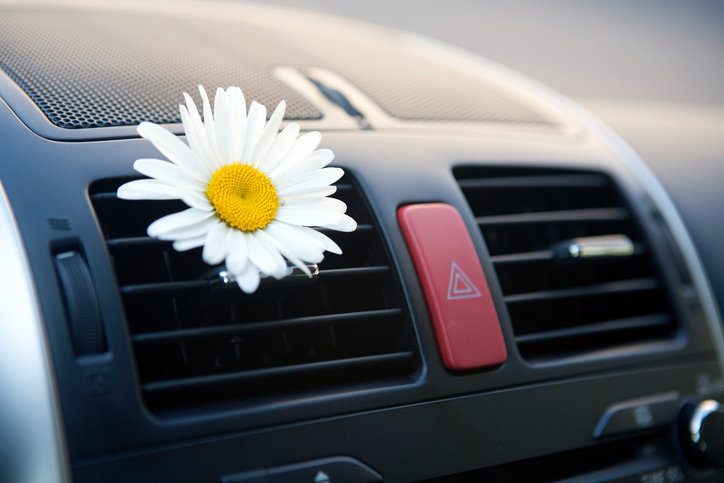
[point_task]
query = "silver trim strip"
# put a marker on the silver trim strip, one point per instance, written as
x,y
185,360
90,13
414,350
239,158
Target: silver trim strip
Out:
x,y
598,246
31,432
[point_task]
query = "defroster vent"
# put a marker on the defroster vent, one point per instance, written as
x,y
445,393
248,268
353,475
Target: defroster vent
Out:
x,y
576,272
196,345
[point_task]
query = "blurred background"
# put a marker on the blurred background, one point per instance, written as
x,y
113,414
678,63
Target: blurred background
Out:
x,y
652,50
651,69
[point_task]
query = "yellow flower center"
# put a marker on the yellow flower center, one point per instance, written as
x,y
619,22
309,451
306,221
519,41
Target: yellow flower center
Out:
x,y
243,197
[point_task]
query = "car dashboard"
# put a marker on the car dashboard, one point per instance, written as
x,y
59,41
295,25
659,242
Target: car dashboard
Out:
x,y
125,360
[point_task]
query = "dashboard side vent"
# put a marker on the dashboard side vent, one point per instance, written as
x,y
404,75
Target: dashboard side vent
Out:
x,y
194,345
574,267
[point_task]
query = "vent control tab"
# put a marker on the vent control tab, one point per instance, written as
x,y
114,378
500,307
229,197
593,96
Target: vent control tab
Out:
x,y
461,308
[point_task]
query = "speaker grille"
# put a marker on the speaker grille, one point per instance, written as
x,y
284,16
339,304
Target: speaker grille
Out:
x,y
414,89
95,68
86,68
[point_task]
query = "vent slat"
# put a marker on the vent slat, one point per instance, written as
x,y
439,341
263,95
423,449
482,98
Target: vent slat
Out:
x,y
132,244
167,289
186,334
637,285
95,197
544,255
524,257
275,373
192,287
561,304
632,323
550,181
346,326
354,272
344,187
593,214
361,229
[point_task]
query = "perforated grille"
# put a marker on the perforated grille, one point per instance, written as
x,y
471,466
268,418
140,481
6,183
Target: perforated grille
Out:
x,y
88,68
413,89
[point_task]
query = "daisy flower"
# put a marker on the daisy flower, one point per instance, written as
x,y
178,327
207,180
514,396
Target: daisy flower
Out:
x,y
252,191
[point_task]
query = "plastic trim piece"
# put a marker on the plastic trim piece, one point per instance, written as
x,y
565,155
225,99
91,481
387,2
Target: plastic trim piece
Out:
x,y
461,307
84,315
31,433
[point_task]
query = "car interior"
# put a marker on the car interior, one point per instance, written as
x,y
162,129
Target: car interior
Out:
x,y
526,297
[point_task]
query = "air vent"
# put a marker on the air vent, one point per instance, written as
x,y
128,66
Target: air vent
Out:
x,y
196,345
575,270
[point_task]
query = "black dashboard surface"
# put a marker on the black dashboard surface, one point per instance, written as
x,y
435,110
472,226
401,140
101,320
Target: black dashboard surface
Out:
x,y
640,357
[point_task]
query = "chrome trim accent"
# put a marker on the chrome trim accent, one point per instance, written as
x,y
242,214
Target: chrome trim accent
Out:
x,y
31,430
597,246
704,409
666,397
226,277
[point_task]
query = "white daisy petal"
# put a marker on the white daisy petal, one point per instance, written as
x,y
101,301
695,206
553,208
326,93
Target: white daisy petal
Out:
x,y
148,189
329,245
266,243
259,256
316,203
296,242
169,145
269,134
311,185
170,173
279,148
193,140
189,243
248,280
310,163
191,231
310,192
178,220
320,177
284,250
237,116
254,127
325,176
204,150
238,253
347,224
308,217
301,148
210,129
196,200
222,123
216,244
326,156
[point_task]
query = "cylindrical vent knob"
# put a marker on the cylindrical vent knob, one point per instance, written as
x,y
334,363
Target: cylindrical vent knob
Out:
x,y
84,316
701,434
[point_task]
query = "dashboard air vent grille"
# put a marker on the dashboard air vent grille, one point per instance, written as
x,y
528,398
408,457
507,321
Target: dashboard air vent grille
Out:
x,y
563,302
196,345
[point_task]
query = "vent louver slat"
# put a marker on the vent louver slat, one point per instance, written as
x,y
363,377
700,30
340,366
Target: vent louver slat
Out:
x,y
563,306
195,345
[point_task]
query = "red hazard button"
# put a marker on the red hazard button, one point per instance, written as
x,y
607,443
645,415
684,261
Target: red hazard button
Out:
x,y
461,308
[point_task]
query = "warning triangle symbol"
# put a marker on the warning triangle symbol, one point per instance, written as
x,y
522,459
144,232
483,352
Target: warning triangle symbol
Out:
x,y
461,287
322,477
